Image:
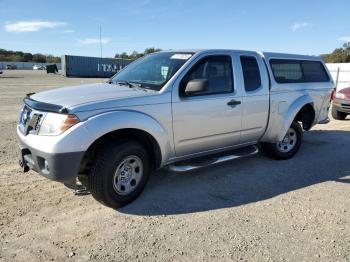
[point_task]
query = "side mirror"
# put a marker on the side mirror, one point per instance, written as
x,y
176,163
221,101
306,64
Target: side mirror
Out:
x,y
196,86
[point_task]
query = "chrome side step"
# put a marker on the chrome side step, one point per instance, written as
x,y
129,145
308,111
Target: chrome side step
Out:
x,y
192,164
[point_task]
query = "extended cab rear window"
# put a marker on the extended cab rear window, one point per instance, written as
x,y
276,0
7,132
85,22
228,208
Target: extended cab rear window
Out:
x,y
298,71
251,73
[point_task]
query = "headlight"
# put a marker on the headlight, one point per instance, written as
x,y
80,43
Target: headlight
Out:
x,y
55,124
340,95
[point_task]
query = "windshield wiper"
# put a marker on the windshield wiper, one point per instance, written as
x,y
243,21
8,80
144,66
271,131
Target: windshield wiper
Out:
x,y
129,84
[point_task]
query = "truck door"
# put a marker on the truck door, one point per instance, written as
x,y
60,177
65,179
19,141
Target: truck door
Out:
x,y
255,95
208,120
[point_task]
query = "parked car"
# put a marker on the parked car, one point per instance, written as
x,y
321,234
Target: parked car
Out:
x,y
39,67
180,110
11,67
341,104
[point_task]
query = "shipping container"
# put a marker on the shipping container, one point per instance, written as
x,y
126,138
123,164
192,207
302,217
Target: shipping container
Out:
x,y
84,66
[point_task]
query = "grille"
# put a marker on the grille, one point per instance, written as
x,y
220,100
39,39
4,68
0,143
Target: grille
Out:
x,y
29,121
346,106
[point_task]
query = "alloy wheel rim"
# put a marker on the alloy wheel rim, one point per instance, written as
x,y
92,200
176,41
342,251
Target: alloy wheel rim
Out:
x,y
128,175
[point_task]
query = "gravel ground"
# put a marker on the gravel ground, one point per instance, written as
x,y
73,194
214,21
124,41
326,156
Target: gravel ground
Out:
x,y
252,210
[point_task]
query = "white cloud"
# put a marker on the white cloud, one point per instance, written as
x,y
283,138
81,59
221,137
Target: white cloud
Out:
x,y
93,41
344,39
67,31
31,26
296,26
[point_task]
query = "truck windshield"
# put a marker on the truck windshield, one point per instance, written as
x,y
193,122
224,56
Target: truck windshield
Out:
x,y
152,71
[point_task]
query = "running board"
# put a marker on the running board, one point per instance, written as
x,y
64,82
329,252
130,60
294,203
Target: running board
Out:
x,y
325,121
196,163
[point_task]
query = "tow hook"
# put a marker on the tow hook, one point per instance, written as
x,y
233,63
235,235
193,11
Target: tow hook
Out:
x,y
23,166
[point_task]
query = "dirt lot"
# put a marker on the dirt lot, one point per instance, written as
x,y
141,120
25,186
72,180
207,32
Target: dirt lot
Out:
x,y
252,210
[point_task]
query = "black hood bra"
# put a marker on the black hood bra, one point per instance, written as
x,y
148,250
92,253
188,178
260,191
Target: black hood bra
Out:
x,y
41,106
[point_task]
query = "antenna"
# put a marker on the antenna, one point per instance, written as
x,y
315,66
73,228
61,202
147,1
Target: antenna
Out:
x,y
101,39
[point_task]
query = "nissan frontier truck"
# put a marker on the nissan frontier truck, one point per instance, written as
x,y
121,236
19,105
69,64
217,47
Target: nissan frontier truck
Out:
x,y
181,110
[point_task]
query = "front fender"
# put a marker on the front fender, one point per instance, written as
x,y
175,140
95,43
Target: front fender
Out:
x,y
282,116
95,127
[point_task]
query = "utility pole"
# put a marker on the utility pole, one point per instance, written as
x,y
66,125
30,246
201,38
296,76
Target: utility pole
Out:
x,y
101,39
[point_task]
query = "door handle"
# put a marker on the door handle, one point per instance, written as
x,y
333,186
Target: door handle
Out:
x,y
233,103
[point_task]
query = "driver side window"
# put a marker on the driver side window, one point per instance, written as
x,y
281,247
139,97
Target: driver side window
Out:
x,y
217,70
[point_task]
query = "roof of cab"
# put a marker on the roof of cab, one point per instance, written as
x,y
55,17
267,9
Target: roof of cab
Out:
x,y
271,55
267,55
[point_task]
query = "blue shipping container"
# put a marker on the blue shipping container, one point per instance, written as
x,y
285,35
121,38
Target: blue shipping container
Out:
x,y
84,66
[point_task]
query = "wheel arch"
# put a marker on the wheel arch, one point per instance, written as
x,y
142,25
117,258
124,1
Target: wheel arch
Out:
x,y
127,125
301,110
282,115
134,134
306,116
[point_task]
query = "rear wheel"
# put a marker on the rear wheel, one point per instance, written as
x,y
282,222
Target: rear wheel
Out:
x,y
288,147
119,173
338,115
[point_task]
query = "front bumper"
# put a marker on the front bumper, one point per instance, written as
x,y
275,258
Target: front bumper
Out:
x,y
62,167
341,105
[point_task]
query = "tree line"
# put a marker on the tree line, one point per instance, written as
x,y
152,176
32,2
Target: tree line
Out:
x,y
135,55
18,56
339,55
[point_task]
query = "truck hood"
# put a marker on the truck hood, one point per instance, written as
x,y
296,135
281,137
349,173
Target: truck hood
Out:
x,y
84,94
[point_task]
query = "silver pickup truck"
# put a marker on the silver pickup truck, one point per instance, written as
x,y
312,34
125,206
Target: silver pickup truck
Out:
x,y
177,109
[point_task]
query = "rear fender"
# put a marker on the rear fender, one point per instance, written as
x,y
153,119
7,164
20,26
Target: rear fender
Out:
x,y
282,117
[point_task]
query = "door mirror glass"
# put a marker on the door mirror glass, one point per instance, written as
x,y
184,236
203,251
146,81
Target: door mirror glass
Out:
x,y
196,86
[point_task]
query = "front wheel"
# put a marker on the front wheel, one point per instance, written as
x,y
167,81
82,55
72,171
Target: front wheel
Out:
x,y
119,173
288,147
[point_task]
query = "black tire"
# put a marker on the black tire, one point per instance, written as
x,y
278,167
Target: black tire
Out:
x,y
338,115
275,150
102,181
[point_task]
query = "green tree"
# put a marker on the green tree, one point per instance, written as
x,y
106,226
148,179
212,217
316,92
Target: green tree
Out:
x,y
123,55
339,55
151,50
39,58
135,55
18,56
27,57
53,59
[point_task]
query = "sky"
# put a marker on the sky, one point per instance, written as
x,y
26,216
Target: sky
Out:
x,y
72,27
